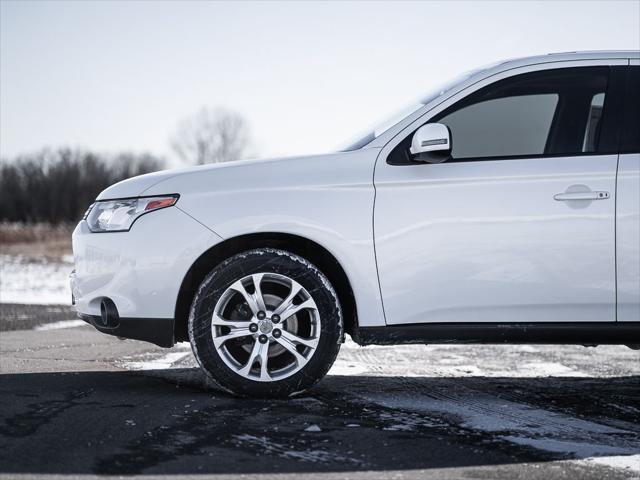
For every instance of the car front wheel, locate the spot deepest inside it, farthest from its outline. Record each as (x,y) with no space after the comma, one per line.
(265,322)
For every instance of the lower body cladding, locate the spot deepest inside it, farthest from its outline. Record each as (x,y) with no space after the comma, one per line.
(154,330)
(127,283)
(160,331)
(551,333)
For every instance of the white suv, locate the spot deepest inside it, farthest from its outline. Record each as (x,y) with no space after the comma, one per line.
(503,208)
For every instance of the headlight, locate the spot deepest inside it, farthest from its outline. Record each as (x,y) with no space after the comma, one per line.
(119,215)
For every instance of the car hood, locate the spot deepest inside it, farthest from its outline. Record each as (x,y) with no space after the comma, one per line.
(148,184)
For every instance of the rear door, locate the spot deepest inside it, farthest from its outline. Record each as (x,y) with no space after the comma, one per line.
(628,207)
(520,225)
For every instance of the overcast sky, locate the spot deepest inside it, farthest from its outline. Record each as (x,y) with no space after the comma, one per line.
(113,76)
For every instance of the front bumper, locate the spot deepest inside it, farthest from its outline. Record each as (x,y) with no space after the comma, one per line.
(140,271)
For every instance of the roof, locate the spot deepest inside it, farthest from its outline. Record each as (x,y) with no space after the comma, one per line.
(568,56)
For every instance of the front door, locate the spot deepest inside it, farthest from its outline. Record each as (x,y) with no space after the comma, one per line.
(519,226)
(628,206)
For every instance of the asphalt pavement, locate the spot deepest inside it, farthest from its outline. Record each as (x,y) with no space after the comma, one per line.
(76,403)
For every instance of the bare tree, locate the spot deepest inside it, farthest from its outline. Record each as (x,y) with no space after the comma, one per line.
(212,135)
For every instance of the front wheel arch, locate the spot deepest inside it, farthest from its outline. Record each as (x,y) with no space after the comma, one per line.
(301,246)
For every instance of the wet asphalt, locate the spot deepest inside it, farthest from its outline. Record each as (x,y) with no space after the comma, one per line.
(76,403)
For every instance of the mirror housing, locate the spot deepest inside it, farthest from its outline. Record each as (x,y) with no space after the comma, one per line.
(431,143)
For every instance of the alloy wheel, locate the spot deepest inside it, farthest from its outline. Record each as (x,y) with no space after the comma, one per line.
(265,327)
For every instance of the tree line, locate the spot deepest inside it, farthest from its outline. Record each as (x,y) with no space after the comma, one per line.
(56,186)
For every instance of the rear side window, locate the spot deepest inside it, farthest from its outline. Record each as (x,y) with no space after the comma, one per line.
(630,138)
(550,112)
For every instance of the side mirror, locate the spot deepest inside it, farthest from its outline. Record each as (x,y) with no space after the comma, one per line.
(431,143)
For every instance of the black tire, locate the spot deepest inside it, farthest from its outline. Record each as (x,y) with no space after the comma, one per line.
(274,261)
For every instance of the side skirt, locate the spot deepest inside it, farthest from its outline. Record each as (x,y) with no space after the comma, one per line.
(578,333)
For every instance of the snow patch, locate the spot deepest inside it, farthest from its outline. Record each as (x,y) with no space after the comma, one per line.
(630,463)
(31,281)
(481,411)
(548,369)
(343,367)
(154,362)
(61,325)
(504,361)
(514,422)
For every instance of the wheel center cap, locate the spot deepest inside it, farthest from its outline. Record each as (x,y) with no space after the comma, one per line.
(265,326)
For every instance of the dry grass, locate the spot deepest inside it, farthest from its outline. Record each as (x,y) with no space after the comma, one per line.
(35,240)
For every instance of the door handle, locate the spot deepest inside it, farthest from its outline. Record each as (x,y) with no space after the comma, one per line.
(563,197)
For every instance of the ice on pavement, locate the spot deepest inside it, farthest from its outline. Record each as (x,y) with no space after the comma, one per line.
(268,445)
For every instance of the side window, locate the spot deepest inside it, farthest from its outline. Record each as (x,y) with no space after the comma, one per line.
(631,131)
(498,128)
(550,112)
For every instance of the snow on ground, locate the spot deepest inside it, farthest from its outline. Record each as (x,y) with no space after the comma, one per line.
(30,280)
(155,361)
(508,416)
(513,420)
(630,463)
(490,361)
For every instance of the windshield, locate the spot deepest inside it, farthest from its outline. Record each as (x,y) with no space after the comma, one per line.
(382,127)
(393,120)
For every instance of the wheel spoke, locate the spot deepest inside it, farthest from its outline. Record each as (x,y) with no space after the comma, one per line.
(250,299)
(289,345)
(258,298)
(293,309)
(237,333)
(264,360)
(218,321)
(239,287)
(286,303)
(252,359)
(295,339)
(259,353)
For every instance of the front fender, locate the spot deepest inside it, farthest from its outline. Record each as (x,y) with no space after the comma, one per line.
(327,199)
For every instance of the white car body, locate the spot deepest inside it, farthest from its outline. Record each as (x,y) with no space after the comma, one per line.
(450,243)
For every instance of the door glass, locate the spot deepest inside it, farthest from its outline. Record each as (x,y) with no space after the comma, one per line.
(503,126)
(547,112)
(541,113)
(631,132)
